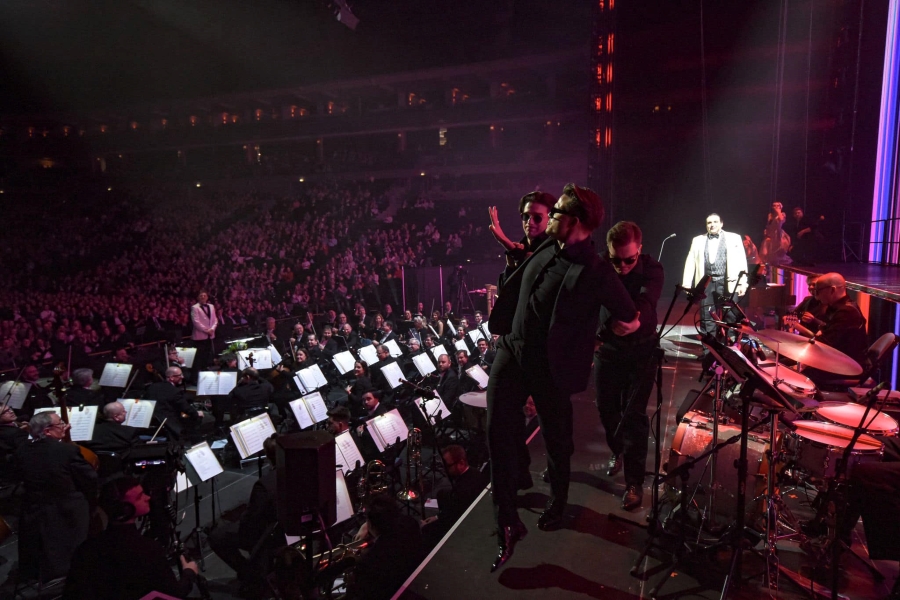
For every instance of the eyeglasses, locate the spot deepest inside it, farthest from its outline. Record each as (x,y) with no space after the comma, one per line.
(532,217)
(557,211)
(618,260)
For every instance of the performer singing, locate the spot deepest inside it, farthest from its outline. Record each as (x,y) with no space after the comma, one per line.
(719,254)
(547,314)
(204,320)
(623,365)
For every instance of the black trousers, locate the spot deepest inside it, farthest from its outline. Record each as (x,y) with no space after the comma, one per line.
(508,389)
(623,380)
(714,291)
(225,541)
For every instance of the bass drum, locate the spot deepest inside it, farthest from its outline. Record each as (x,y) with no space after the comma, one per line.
(693,437)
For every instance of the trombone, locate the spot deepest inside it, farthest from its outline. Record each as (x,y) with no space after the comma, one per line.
(413,490)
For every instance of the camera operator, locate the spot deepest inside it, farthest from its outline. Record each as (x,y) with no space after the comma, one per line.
(121,564)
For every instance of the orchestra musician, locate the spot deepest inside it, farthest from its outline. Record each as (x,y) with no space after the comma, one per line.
(120,563)
(251,393)
(59,486)
(12,435)
(81,394)
(172,405)
(110,433)
(547,313)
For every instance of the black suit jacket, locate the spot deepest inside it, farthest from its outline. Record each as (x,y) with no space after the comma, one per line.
(448,388)
(170,403)
(588,284)
(113,437)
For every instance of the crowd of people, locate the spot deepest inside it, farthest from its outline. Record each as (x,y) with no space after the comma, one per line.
(126,272)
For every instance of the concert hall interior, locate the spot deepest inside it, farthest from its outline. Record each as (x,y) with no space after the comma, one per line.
(271,328)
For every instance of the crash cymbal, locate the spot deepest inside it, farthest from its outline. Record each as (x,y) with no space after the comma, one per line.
(776,335)
(813,353)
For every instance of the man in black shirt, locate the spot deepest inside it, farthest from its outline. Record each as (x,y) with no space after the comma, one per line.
(110,435)
(623,364)
(120,563)
(547,314)
(251,393)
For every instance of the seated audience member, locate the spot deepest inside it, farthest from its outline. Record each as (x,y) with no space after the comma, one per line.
(467,485)
(59,486)
(228,539)
(395,550)
(120,563)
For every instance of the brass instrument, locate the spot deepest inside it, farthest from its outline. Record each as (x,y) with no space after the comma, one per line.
(413,490)
(371,481)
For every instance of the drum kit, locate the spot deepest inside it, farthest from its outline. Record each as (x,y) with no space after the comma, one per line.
(785,436)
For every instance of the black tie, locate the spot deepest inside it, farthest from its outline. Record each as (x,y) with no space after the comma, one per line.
(713,236)
(205,308)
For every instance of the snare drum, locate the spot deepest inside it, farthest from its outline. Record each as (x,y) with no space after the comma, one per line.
(816,447)
(694,436)
(790,381)
(850,414)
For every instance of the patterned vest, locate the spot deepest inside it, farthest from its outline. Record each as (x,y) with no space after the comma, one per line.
(716,268)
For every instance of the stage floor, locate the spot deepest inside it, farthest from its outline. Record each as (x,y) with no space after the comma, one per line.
(592,554)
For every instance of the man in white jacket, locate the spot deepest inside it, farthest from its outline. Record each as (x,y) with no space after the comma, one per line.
(719,254)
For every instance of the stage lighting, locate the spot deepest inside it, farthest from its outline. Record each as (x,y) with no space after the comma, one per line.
(344,15)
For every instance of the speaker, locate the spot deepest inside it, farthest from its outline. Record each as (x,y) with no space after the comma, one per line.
(306,481)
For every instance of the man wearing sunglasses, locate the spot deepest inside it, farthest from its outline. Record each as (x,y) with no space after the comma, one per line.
(547,313)
(533,210)
(623,365)
(719,254)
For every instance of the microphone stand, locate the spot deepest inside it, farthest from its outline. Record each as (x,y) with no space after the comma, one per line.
(663,245)
(428,394)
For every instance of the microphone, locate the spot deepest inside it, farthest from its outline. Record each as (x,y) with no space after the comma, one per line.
(663,245)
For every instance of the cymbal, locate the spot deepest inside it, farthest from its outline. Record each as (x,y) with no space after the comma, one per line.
(818,355)
(776,335)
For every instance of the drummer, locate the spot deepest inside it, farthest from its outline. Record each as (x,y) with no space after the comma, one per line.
(844,325)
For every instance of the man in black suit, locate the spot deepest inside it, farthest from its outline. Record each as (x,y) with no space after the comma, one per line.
(171,403)
(120,563)
(59,485)
(547,314)
(110,435)
(251,393)
(387,332)
(467,485)
(624,368)
(81,393)
(228,539)
(448,383)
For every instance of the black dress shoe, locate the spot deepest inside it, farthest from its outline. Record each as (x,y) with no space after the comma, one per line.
(551,518)
(633,497)
(507,539)
(614,465)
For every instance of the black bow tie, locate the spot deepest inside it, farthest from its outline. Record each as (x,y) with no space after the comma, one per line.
(713,236)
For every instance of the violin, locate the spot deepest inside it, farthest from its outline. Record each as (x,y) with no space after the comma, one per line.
(154,372)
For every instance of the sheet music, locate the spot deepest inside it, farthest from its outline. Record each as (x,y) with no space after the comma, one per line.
(342,498)
(393,348)
(138,413)
(451,327)
(316,405)
(306,381)
(301,413)
(392,374)
(274,354)
(188,355)
(262,359)
(476,335)
(19,393)
(252,433)
(368,354)
(81,419)
(478,374)
(347,452)
(203,461)
(423,364)
(320,377)
(216,383)
(388,427)
(344,362)
(438,350)
(461,345)
(115,375)
(432,407)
